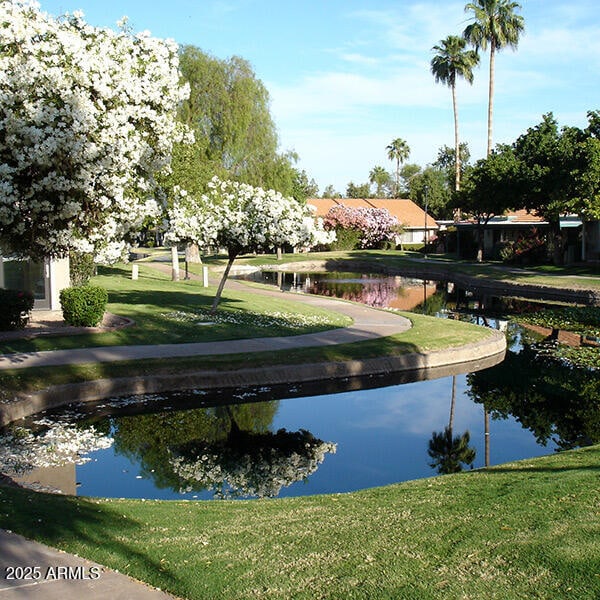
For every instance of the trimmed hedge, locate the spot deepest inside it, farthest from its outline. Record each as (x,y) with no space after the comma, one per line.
(16,306)
(84,305)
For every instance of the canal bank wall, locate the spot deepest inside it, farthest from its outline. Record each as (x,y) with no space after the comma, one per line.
(412,367)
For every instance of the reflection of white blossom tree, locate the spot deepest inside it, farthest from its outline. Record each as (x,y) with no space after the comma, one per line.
(22,451)
(249,464)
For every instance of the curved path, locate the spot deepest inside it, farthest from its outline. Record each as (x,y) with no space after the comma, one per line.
(368,323)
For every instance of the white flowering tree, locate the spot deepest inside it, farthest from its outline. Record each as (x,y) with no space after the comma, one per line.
(242,218)
(87,119)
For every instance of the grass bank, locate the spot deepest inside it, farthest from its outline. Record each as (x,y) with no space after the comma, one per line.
(529,529)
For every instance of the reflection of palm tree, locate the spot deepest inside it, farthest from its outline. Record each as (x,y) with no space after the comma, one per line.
(449,452)
(452,403)
(486,427)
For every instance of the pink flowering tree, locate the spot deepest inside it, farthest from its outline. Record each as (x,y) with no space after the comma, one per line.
(373,225)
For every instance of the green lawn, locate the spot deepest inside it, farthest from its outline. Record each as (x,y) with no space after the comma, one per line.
(168,312)
(525,530)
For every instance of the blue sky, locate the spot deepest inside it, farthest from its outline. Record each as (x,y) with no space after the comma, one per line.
(346,77)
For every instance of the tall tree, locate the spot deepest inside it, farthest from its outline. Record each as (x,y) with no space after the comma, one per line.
(452,61)
(381,178)
(235,135)
(490,189)
(495,23)
(399,151)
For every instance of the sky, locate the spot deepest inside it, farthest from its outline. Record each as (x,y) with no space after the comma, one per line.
(346,77)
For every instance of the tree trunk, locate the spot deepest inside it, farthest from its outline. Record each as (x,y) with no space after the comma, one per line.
(491,96)
(192,254)
(456,141)
(452,404)
(479,243)
(232,257)
(486,426)
(583,241)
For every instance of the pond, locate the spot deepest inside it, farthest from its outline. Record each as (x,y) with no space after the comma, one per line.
(319,438)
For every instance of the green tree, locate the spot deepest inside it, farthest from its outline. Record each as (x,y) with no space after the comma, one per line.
(399,151)
(453,60)
(330,192)
(495,23)
(559,173)
(431,185)
(381,178)
(407,173)
(490,189)
(235,136)
(449,452)
(358,191)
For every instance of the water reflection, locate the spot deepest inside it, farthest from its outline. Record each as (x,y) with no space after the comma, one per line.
(270,440)
(402,293)
(558,403)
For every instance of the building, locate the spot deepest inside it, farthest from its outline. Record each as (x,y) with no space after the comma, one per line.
(513,225)
(415,223)
(44,280)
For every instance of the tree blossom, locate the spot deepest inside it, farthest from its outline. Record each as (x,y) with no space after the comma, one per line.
(376,225)
(87,119)
(243,218)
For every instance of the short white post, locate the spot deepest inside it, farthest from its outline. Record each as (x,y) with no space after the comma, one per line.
(175,264)
(205,276)
(135,271)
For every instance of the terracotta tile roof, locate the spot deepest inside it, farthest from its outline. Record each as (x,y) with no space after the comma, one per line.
(522,216)
(406,211)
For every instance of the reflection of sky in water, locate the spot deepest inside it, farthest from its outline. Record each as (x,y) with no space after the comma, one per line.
(381,435)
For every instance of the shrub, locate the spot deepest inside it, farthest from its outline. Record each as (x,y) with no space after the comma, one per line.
(16,306)
(81,268)
(83,305)
(347,238)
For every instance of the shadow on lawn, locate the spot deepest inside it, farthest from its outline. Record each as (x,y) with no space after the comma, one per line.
(64,521)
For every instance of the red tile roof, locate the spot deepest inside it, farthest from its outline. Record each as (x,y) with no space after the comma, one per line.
(406,211)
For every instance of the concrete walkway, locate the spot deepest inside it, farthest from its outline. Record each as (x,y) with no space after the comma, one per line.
(56,575)
(368,323)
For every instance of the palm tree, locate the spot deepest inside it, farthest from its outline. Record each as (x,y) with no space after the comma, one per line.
(450,62)
(448,452)
(380,177)
(399,151)
(495,23)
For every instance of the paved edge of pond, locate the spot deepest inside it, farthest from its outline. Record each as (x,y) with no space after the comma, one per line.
(417,366)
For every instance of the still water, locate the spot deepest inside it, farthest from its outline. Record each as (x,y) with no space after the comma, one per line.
(291,441)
